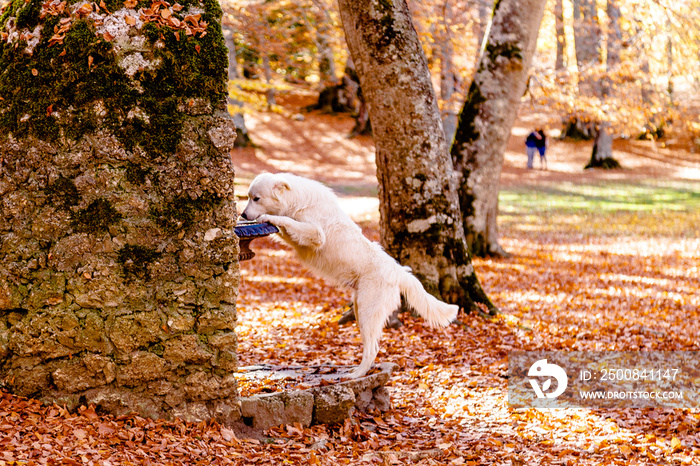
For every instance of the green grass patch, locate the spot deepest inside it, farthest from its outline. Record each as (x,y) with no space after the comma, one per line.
(648,209)
(571,197)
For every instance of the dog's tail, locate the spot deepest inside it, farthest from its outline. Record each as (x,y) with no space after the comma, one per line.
(437,313)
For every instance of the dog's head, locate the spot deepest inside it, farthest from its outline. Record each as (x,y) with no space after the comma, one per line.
(266,196)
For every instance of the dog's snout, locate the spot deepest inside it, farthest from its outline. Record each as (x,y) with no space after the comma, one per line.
(244,215)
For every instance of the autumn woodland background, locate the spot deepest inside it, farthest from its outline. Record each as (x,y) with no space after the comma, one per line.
(598,259)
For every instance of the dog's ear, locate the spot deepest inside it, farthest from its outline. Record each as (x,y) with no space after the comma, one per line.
(280,186)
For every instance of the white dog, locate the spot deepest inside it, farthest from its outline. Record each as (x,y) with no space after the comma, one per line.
(310,219)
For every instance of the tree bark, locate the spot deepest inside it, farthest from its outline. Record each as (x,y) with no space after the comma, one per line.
(448,78)
(326,60)
(614,42)
(613,48)
(488,115)
(602,154)
(669,60)
(267,70)
(420,219)
(654,126)
(560,64)
(352,81)
(587,39)
(484,12)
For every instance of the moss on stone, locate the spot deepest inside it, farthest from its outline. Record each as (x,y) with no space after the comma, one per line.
(160,135)
(63,193)
(135,260)
(158,349)
(48,93)
(183,212)
(96,217)
(41,90)
(27,15)
(136,174)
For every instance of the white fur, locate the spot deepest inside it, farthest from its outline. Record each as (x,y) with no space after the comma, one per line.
(310,219)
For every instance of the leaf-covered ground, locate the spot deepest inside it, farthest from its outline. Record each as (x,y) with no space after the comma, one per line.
(599,262)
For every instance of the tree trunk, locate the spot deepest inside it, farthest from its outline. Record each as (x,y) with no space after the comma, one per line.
(267,70)
(326,61)
(587,39)
(560,64)
(242,136)
(654,126)
(602,154)
(669,60)
(420,218)
(341,97)
(613,48)
(352,81)
(448,79)
(488,115)
(484,12)
(118,262)
(614,42)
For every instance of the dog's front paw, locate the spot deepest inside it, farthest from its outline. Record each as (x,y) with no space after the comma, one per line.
(265,218)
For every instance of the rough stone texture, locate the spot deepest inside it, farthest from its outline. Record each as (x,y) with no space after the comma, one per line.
(269,410)
(333,404)
(114,163)
(322,404)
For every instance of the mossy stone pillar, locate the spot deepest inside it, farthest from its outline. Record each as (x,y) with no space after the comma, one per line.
(118,261)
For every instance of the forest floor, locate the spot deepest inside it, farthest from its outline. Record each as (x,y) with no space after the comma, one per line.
(600,260)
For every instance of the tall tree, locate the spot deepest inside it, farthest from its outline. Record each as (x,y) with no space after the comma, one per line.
(614,39)
(560,64)
(351,81)
(488,115)
(669,59)
(588,40)
(448,77)
(420,219)
(601,155)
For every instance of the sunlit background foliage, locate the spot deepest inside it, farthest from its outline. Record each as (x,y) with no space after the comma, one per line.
(647,60)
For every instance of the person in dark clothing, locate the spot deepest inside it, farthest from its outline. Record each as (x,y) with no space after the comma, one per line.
(536,142)
(541,145)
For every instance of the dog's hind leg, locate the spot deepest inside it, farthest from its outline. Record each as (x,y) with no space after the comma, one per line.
(373,305)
